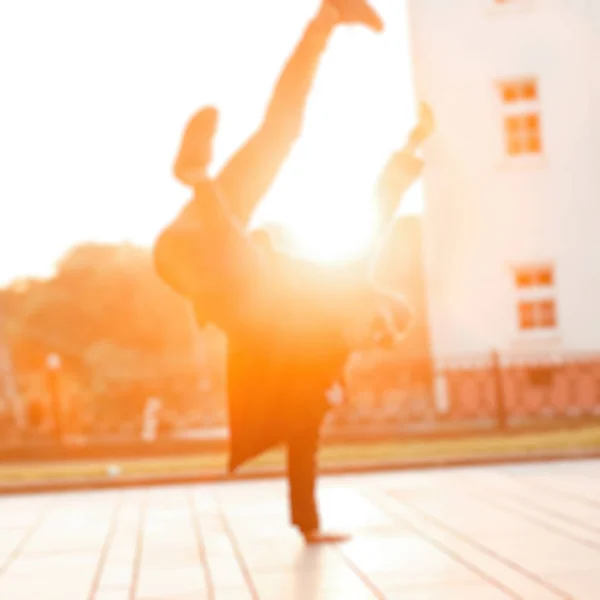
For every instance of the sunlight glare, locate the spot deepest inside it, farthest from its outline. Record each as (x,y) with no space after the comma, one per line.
(331,239)
(328,217)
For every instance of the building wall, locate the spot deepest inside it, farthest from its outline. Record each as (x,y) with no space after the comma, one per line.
(485,211)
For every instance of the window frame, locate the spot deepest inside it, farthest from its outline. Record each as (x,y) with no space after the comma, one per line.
(519,110)
(535,285)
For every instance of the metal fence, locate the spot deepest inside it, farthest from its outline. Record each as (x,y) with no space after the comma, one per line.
(386,398)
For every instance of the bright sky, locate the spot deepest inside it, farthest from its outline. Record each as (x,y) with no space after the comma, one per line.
(94,96)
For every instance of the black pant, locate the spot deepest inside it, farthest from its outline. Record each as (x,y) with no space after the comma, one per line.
(302,446)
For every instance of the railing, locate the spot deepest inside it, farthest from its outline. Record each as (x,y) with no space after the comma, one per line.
(491,392)
(387,398)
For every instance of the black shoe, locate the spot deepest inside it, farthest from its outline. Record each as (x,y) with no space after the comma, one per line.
(320,537)
(358,12)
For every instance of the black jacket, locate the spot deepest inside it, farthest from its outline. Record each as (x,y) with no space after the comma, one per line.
(281,361)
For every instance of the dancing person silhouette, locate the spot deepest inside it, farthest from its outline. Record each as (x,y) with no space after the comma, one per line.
(290,324)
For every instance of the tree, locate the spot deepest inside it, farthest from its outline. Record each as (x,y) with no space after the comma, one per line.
(114,323)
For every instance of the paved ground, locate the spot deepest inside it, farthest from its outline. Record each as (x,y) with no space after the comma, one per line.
(466,534)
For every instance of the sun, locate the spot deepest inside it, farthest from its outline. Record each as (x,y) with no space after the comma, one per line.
(331,238)
(323,207)
(325,219)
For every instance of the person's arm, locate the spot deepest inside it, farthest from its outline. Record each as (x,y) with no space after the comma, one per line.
(401,171)
(382,317)
(399,174)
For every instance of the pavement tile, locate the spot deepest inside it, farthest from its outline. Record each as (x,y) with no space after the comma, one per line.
(464,534)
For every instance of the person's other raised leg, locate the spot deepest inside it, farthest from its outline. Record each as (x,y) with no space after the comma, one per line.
(249,174)
(204,254)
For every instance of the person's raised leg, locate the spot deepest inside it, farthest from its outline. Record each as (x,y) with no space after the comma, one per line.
(219,221)
(249,174)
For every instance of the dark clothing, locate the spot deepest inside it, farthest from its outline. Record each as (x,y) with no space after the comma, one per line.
(302,446)
(277,384)
(207,256)
(281,363)
(283,318)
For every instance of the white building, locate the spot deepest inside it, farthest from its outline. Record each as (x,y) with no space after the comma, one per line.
(512,217)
